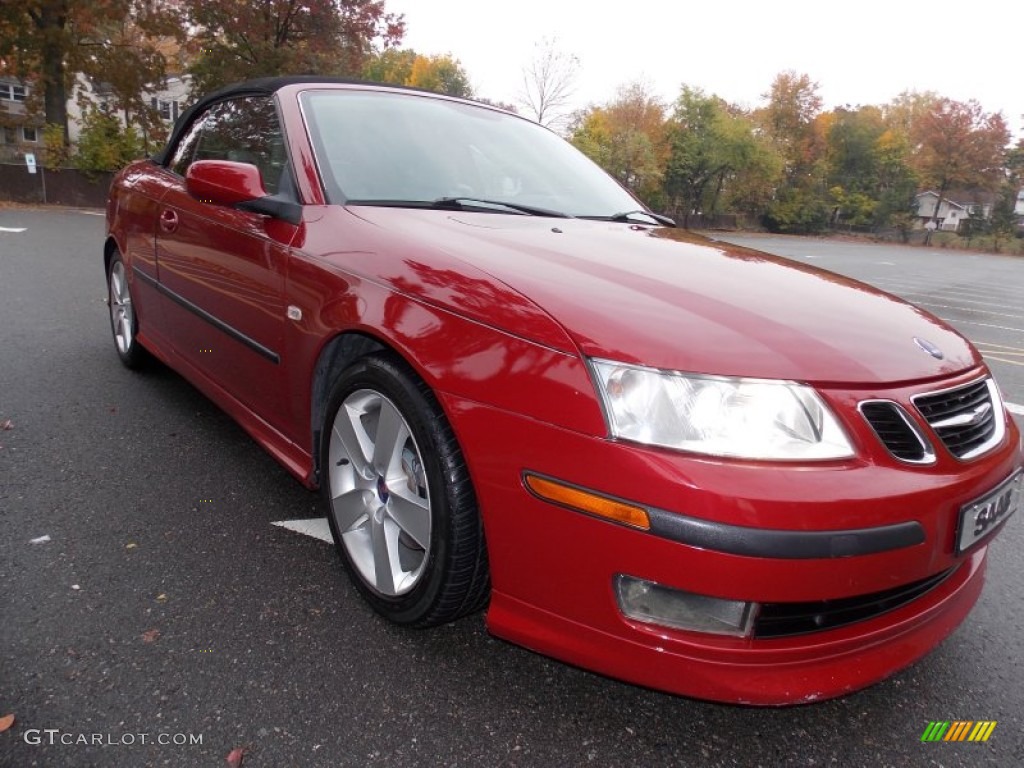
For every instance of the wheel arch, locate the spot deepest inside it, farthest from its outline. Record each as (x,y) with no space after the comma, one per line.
(337,354)
(110,247)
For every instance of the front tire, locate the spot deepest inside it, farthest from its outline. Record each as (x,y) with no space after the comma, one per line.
(123,324)
(400,502)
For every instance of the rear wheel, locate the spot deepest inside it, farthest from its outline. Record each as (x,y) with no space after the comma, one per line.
(399,498)
(122,315)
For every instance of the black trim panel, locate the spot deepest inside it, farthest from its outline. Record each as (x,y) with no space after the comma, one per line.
(786,545)
(767,542)
(216,322)
(789,619)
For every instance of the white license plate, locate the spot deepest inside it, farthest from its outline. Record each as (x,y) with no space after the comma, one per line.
(982,516)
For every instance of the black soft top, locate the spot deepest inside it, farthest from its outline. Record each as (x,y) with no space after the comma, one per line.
(264,86)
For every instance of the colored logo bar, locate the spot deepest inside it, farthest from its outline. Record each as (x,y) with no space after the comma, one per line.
(958,730)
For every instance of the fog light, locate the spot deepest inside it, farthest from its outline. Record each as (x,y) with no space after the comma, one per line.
(653,603)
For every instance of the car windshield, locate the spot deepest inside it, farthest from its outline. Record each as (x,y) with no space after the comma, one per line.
(380,148)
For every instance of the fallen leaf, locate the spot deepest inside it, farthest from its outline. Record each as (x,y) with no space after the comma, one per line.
(130,545)
(6,722)
(161,598)
(7,424)
(40,539)
(150,635)
(235,756)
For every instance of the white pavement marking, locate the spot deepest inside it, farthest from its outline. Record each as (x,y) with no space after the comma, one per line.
(1014,408)
(93,213)
(984,304)
(969,309)
(983,325)
(316,527)
(12,229)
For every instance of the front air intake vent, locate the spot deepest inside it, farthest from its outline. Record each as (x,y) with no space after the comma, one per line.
(787,619)
(897,431)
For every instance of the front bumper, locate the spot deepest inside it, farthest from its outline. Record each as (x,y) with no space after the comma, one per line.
(553,568)
(766,672)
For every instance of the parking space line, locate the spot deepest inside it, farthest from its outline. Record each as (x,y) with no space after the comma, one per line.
(917,287)
(1003,360)
(984,304)
(1000,346)
(13,230)
(968,309)
(1004,352)
(983,325)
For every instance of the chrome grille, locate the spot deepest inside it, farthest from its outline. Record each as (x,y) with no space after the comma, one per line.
(897,431)
(969,419)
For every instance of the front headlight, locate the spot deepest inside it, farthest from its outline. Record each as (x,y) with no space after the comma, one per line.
(740,418)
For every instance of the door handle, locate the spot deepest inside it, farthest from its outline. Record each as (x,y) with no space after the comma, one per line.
(168,220)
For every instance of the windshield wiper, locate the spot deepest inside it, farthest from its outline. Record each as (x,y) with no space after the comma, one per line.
(627,216)
(466,203)
(463,204)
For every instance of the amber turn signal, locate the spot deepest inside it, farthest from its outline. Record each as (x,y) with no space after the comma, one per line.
(587,501)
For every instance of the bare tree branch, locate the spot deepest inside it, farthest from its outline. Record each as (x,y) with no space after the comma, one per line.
(548,84)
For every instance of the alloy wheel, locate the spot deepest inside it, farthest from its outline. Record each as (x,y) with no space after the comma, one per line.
(122,316)
(378,493)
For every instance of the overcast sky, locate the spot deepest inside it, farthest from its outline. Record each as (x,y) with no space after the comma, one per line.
(859,53)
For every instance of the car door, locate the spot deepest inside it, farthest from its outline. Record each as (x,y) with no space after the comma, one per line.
(222,269)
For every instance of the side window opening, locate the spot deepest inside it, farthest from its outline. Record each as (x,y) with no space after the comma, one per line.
(243,130)
(246,131)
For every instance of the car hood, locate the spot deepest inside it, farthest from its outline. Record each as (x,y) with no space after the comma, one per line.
(670,299)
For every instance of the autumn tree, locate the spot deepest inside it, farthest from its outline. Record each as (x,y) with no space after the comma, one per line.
(898,180)
(403,66)
(752,184)
(1005,221)
(711,145)
(866,171)
(793,103)
(548,83)
(111,41)
(36,38)
(129,56)
(390,65)
(236,40)
(903,112)
(959,144)
(627,138)
(442,74)
(793,123)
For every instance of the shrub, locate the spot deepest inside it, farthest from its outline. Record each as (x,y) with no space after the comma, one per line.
(105,144)
(796,211)
(56,153)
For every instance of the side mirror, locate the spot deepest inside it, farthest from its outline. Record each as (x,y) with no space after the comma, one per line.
(224,182)
(239,185)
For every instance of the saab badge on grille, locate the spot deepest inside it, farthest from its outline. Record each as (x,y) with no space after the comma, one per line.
(928,347)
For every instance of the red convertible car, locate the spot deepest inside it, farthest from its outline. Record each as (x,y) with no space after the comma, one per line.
(676,462)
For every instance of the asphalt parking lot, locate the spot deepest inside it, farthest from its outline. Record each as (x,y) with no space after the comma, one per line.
(166,604)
